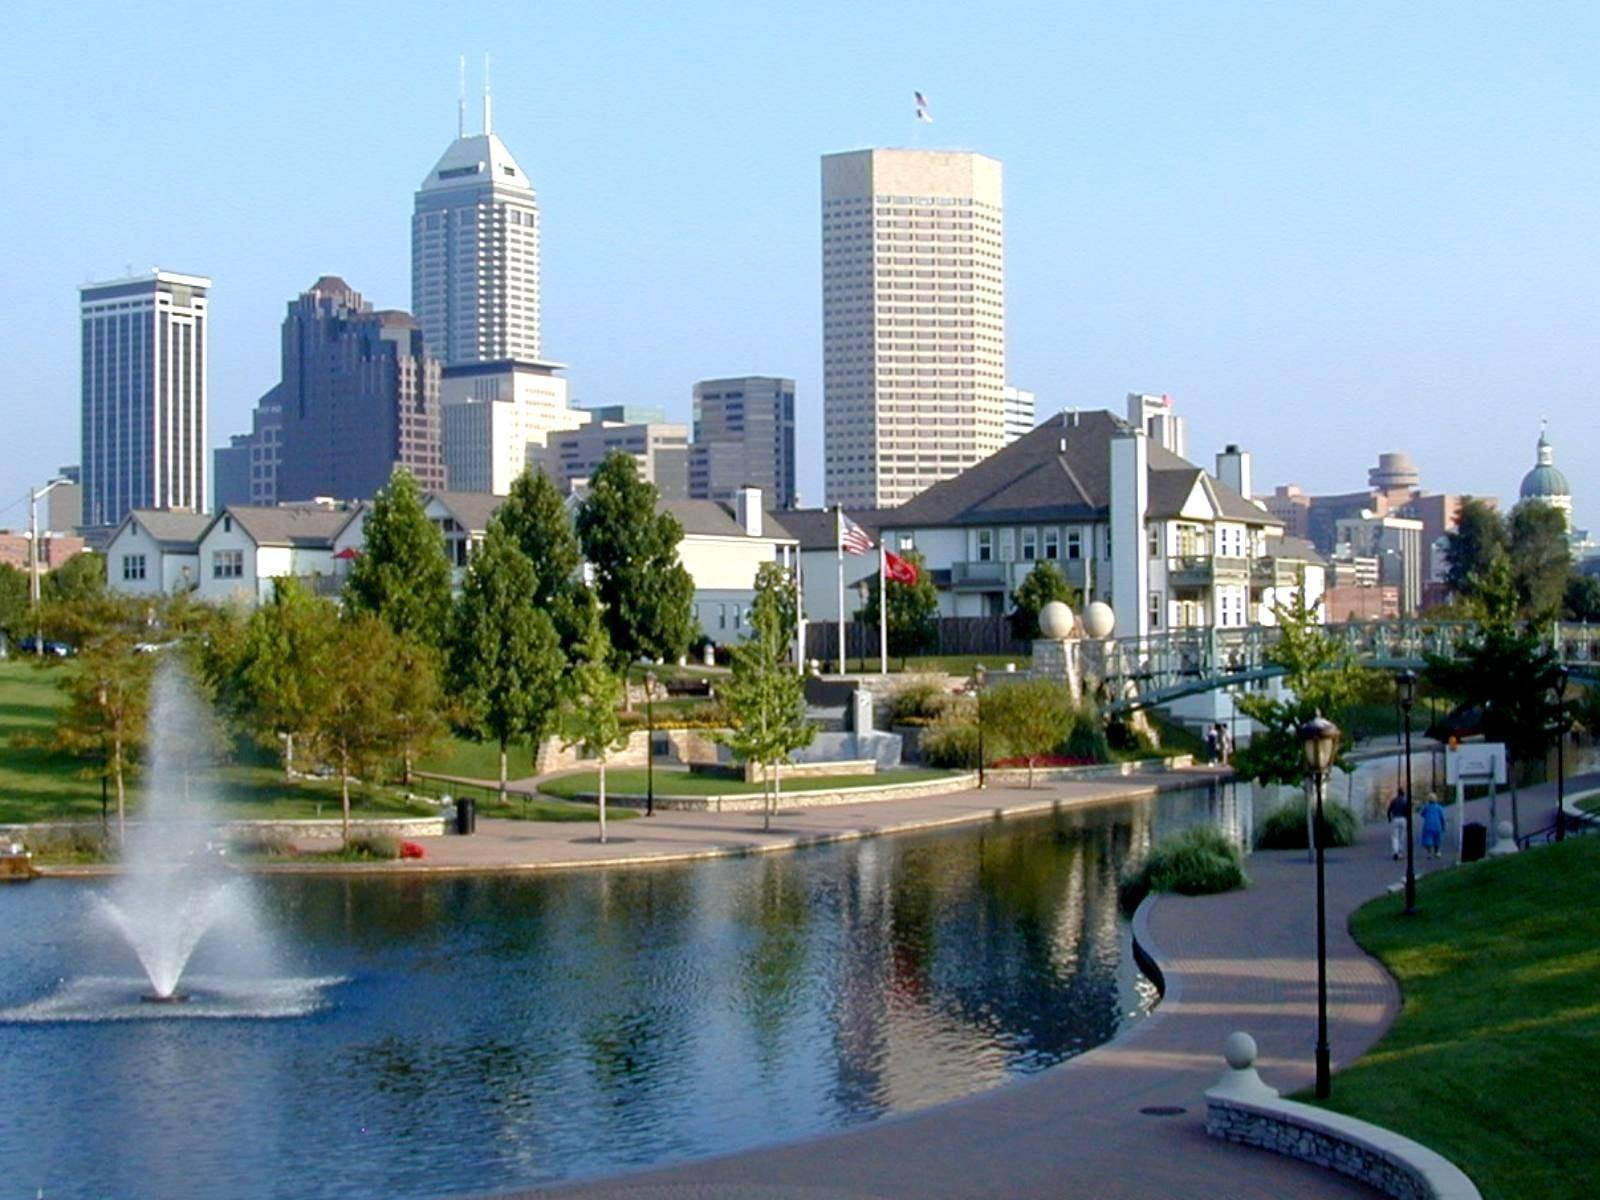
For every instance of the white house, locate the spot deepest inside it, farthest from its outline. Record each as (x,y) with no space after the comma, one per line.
(154,551)
(244,549)
(723,547)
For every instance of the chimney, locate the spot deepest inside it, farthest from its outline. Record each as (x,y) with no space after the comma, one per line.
(747,509)
(1233,469)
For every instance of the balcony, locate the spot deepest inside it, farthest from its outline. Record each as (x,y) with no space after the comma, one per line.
(1204,570)
(1275,573)
(977,576)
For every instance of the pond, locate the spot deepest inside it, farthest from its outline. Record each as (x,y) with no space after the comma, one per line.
(478,1034)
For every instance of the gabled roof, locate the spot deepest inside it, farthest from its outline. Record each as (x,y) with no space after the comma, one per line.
(1294,549)
(304,526)
(713,518)
(174,530)
(471,510)
(818,529)
(1061,471)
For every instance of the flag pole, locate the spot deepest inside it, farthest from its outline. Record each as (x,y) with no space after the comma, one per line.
(838,546)
(883,606)
(799,617)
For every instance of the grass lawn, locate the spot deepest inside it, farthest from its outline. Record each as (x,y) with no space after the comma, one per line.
(1492,1060)
(675,782)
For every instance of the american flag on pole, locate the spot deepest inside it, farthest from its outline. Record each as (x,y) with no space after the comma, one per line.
(922,108)
(852,538)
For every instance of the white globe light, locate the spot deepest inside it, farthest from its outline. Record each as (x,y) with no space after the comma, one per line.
(1099,620)
(1055,621)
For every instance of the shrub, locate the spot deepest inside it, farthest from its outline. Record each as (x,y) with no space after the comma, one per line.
(918,701)
(69,844)
(951,739)
(1087,741)
(264,843)
(1285,828)
(1197,862)
(372,846)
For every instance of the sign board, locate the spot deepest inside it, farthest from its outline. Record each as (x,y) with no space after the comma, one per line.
(1477,762)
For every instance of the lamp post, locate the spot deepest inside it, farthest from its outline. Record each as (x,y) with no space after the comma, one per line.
(650,743)
(1406,686)
(1319,737)
(34,496)
(1561,754)
(977,680)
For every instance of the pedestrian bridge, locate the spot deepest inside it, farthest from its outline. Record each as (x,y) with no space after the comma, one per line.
(1142,672)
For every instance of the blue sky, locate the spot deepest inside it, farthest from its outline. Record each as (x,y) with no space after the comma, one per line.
(1325,229)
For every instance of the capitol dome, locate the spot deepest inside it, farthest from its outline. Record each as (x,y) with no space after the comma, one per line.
(1545,481)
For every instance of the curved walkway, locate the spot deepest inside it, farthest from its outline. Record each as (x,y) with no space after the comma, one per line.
(1244,960)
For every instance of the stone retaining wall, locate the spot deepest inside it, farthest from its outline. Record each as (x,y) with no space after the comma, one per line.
(290,828)
(1116,770)
(1241,1108)
(753,801)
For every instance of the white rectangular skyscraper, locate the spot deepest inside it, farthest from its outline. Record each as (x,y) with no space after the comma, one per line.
(475,255)
(144,395)
(913,320)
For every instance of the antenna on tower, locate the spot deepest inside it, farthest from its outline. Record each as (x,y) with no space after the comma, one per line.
(488,126)
(461,97)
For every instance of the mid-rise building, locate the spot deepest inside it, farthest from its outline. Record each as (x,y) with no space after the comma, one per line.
(661,450)
(1020,407)
(625,414)
(1396,546)
(913,320)
(64,503)
(230,471)
(475,254)
(1161,423)
(144,357)
(743,437)
(495,415)
(359,398)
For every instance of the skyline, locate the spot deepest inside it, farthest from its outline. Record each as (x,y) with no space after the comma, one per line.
(1380,214)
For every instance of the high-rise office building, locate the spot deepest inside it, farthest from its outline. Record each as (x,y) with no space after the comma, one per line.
(359,398)
(246,470)
(475,254)
(913,320)
(1021,406)
(495,415)
(144,395)
(743,437)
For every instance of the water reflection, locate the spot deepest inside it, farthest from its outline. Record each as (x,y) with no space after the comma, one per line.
(506,1031)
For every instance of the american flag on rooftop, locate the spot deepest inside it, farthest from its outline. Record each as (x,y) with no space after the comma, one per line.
(852,538)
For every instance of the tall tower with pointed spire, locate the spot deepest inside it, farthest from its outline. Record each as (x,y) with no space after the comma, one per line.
(475,252)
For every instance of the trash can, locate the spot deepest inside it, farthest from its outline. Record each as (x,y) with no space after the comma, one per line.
(1474,841)
(467,815)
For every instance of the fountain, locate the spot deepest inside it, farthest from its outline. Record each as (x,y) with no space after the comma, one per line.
(177,898)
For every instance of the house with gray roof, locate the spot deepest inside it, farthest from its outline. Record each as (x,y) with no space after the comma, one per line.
(155,551)
(1126,521)
(244,548)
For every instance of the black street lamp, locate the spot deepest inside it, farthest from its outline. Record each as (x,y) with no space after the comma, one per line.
(1561,754)
(1406,685)
(650,743)
(1320,739)
(977,680)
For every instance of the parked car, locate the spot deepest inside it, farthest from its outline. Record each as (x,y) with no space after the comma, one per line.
(30,645)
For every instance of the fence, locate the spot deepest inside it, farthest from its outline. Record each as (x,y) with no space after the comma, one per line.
(952,635)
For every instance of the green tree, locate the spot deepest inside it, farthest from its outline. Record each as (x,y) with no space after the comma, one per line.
(1541,558)
(590,696)
(537,518)
(774,588)
(284,666)
(353,727)
(1030,718)
(13,602)
(417,703)
(1582,597)
(108,704)
(402,574)
(1042,585)
(81,577)
(764,697)
(646,596)
(913,611)
(1477,543)
(505,661)
(1321,675)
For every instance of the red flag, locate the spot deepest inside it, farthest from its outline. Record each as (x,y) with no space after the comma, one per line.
(897,569)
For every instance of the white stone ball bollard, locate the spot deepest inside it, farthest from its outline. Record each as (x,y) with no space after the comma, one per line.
(1055,621)
(1239,1050)
(1099,620)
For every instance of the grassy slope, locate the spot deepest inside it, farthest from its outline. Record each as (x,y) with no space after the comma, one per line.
(673,782)
(1491,1061)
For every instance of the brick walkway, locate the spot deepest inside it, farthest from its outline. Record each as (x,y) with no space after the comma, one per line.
(1245,960)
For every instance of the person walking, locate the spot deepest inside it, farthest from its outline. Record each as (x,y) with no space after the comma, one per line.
(1211,744)
(1399,807)
(1432,825)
